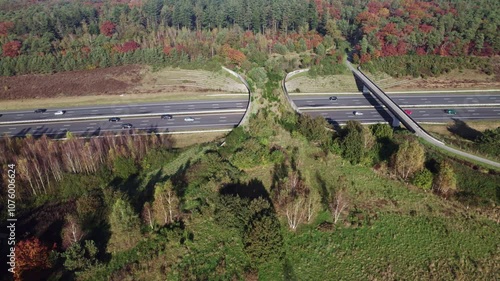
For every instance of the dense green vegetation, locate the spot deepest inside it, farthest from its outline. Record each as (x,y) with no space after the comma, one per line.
(279,200)
(70,35)
(287,197)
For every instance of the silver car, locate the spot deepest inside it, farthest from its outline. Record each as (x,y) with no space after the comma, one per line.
(189,119)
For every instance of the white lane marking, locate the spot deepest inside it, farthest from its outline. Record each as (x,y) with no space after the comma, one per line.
(238,103)
(425,115)
(355,100)
(469,98)
(424,99)
(446,98)
(20,114)
(427,101)
(422,111)
(215,104)
(93,124)
(145,121)
(402,99)
(94,110)
(222,121)
(309,101)
(90,127)
(475,113)
(222,117)
(67,125)
(12,128)
(496,110)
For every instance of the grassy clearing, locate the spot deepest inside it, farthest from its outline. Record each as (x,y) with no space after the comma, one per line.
(322,84)
(161,86)
(186,140)
(454,80)
(394,231)
(462,137)
(65,102)
(201,79)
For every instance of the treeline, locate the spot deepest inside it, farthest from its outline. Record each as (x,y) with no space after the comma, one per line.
(425,66)
(45,166)
(60,35)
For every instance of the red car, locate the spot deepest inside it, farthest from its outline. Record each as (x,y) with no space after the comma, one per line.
(409,112)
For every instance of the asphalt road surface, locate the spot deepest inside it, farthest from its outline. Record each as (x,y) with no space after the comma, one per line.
(471,99)
(373,115)
(142,124)
(119,110)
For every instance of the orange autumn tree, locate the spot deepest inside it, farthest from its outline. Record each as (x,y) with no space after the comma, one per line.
(233,55)
(31,255)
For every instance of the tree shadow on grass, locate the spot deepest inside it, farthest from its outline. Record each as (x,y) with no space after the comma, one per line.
(323,190)
(461,129)
(251,190)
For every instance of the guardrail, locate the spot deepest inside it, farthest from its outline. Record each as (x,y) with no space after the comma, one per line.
(394,108)
(121,116)
(283,86)
(245,116)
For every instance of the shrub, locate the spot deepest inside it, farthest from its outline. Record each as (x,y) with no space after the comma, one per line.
(423,179)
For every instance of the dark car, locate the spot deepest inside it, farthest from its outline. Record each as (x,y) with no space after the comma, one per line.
(333,98)
(40,110)
(114,119)
(166,116)
(126,126)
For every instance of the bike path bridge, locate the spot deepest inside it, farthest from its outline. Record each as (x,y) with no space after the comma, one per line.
(369,86)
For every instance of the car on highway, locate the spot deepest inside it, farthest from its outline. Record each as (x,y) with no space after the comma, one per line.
(189,119)
(166,116)
(409,112)
(126,126)
(450,111)
(40,110)
(60,112)
(357,113)
(332,98)
(114,119)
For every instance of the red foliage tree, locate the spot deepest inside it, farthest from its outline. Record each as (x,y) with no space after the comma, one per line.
(167,50)
(11,49)
(31,255)
(108,28)
(5,27)
(127,47)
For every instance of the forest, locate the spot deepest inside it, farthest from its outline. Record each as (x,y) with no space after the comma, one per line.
(54,36)
(281,198)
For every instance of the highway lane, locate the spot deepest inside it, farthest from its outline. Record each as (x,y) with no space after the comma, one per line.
(341,116)
(119,110)
(471,99)
(143,124)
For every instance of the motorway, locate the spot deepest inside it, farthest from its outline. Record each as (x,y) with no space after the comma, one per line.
(423,107)
(215,114)
(408,121)
(125,110)
(146,124)
(353,100)
(430,115)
